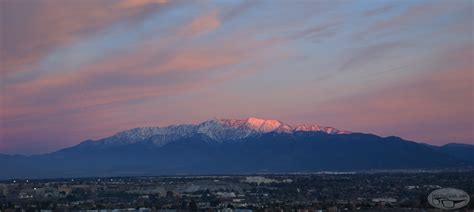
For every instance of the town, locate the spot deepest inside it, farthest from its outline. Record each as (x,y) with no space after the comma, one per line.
(324,191)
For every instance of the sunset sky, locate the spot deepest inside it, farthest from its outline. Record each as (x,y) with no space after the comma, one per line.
(76,70)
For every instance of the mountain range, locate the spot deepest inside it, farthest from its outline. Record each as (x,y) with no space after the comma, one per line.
(232,146)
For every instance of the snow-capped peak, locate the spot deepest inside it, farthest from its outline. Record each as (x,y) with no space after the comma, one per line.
(272,125)
(217,129)
(263,125)
(256,124)
(307,127)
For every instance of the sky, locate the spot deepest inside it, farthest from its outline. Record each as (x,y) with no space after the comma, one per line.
(75,70)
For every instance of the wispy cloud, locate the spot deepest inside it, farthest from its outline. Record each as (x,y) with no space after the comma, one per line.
(369,54)
(140,3)
(317,32)
(379,10)
(31,29)
(201,24)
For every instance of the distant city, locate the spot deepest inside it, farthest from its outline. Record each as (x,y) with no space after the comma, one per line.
(324,191)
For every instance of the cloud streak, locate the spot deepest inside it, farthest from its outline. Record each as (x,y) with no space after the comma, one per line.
(31,29)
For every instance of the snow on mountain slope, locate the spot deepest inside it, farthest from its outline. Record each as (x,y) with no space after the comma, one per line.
(217,129)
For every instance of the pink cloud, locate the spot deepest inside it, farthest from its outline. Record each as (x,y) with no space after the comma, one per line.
(140,3)
(89,85)
(202,24)
(30,29)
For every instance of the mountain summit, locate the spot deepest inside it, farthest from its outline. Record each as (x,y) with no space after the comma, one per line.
(259,125)
(272,125)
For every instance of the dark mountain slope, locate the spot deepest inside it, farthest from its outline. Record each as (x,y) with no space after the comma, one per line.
(199,154)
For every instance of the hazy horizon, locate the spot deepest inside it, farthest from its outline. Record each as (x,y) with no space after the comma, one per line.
(78,70)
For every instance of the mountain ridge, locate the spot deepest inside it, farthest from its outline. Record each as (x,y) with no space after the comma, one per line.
(218,129)
(228,146)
